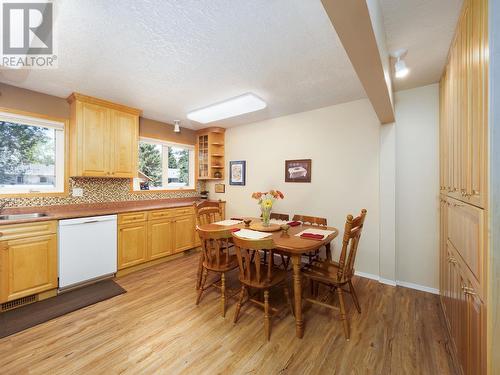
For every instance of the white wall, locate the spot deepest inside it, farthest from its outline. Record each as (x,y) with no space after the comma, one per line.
(387,272)
(417,185)
(343,143)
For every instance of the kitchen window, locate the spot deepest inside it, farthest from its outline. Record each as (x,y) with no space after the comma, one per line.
(31,154)
(165,166)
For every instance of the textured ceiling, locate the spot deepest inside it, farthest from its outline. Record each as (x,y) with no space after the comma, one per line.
(171,57)
(425,28)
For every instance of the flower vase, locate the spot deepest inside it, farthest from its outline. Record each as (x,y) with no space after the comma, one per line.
(266,216)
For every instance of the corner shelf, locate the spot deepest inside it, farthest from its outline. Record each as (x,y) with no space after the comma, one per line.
(210,153)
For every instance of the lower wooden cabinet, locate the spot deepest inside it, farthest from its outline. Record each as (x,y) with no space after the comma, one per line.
(465,313)
(160,233)
(132,244)
(184,234)
(150,235)
(28,261)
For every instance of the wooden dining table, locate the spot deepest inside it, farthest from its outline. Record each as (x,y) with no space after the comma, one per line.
(293,246)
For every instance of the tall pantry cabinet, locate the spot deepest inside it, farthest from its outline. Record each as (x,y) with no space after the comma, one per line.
(463,191)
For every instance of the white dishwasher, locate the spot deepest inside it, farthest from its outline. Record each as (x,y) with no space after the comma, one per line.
(87,250)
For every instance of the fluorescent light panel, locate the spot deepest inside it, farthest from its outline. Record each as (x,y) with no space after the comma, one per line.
(236,106)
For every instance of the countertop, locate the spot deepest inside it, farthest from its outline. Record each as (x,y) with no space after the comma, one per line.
(71,211)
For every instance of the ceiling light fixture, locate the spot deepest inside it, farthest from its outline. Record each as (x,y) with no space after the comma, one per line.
(177,128)
(400,68)
(236,106)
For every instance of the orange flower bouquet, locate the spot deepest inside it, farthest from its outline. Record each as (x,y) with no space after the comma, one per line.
(266,201)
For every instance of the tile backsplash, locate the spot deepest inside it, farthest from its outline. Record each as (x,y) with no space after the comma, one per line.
(99,190)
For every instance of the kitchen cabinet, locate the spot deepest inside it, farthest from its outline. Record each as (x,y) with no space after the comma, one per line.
(465,314)
(132,244)
(161,233)
(210,151)
(151,235)
(103,138)
(28,259)
(184,234)
(464,109)
(464,207)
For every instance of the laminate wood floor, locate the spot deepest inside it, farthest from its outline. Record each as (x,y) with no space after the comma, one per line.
(156,328)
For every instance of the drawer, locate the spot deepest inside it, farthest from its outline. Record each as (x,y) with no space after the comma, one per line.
(16,231)
(171,212)
(133,217)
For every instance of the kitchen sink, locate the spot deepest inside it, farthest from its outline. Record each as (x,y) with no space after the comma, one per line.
(22,216)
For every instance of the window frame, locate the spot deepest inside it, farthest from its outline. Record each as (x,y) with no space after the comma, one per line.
(165,185)
(62,152)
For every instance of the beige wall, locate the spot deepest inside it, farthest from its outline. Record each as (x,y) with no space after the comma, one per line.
(343,143)
(417,186)
(31,101)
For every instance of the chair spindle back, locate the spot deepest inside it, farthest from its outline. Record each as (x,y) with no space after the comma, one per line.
(212,244)
(207,212)
(311,220)
(252,270)
(352,233)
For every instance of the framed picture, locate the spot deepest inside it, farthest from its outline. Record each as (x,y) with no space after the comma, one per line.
(237,170)
(220,188)
(298,170)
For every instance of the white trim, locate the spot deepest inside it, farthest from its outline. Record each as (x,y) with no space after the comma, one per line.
(32,121)
(418,287)
(59,151)
(367,275)
(388,282)
(164,149)
(394,283)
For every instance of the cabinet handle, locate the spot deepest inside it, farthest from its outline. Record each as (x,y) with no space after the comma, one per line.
(1,234)
(468,291)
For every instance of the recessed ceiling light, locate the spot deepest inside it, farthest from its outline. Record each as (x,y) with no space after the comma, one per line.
(236,106)
(400,68)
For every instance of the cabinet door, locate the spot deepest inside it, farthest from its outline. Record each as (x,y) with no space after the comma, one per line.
(476,191)
(161,238)
(27,266)
(132,245)
(466,233)
(477,334)
(184,235)
(94,140)
(125,130)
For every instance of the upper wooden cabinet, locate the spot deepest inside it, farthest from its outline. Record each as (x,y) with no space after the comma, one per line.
(103,138)
(210,150)
(464,109)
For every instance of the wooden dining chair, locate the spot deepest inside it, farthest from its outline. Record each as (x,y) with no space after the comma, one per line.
(216,260)
(314,221)
(205,213)
(254,274)
(277,216)
(337,275)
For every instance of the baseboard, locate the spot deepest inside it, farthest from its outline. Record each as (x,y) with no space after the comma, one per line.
(404,284)
(418,287)
(388,282)
(367,275)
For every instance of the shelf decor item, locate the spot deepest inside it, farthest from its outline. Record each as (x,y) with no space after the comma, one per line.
(220,188)
(266,201)
(237,172)
(298,170)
